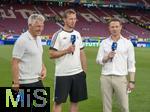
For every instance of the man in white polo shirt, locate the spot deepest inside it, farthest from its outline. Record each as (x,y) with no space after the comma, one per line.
(27,65)
(116,55)
(70,78)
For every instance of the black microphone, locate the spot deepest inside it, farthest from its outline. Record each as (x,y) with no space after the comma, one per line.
(113,47)
(73,40)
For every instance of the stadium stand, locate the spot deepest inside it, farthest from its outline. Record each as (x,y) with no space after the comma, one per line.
(91,21)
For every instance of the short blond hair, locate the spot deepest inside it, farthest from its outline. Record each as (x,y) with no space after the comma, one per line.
(68,11)
(35,17)
(114,20)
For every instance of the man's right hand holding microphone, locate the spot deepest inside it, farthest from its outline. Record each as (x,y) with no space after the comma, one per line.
(111,54)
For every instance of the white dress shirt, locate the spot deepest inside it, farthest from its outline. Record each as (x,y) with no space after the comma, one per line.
(123,61)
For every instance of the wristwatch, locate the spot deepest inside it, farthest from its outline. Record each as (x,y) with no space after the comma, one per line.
(133,82)
(14,82)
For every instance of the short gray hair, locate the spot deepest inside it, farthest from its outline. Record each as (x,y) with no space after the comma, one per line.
(35,17)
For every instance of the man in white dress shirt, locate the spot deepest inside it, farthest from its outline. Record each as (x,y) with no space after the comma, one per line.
(116,65)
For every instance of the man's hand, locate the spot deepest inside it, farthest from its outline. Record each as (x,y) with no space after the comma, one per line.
(108,57)
(43,72)
(131,86)
(111,55)
(15,87)
(70,49)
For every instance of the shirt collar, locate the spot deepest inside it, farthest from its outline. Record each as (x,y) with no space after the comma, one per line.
(121,37)
(67,31)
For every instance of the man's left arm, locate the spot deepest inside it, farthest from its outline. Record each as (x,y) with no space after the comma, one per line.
(131,67)
(82,54)
(83,60)
(131,84)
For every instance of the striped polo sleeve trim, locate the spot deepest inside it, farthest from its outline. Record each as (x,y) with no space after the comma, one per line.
(55,38)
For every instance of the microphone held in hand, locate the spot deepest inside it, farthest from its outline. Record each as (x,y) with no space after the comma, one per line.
(73,40)
(113,47)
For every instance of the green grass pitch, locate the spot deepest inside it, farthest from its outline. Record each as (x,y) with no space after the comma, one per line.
(139,99)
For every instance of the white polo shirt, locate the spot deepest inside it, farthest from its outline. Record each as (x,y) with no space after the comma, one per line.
(29,51)
(123,61)
(68,64)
